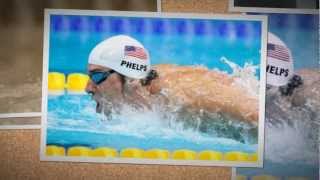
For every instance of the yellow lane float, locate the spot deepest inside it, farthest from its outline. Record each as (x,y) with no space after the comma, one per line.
(184,154)
(132,153)
(76,83)
(253,157)
(181,154)
(236,156)
(56,83)
(103,152)
(210,155)
(79,151)
(53,150)
(156,154)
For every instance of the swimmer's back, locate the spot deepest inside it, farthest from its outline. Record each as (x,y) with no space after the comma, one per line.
(201,88)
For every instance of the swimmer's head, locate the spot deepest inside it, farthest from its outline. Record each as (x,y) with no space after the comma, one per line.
(123,54)
(279,62)
(105,85)
(114,63)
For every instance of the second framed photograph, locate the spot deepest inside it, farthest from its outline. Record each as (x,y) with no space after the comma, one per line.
(275,6)
(150,88)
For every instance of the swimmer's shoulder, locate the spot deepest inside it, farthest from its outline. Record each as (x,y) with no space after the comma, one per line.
(171,72)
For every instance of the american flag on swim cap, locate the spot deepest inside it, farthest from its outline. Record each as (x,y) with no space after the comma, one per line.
(135,51)
(278,52)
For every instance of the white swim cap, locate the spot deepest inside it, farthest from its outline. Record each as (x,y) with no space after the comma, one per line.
(279,62)
(123,54)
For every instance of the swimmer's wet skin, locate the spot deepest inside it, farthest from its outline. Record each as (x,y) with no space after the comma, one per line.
(197,87)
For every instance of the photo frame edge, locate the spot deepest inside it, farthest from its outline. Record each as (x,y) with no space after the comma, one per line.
(49,12)
(45,69)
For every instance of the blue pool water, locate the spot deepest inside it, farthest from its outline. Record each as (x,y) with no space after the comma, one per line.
(72,119)
(173,41)
(300,32)
(174,49)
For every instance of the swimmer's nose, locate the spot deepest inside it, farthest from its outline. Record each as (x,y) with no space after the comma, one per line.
(90,88)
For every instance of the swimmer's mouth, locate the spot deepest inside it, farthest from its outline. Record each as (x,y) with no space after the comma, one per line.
(98,108)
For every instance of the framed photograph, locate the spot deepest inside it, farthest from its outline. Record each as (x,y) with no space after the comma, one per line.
(275,6)
(21,59)
(150,88)
(292,109)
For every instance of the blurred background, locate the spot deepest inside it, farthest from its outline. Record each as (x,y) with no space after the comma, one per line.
(21,37)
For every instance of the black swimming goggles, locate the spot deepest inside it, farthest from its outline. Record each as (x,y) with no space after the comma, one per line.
(98,76)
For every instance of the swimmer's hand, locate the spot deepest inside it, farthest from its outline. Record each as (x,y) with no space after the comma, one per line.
(293,83)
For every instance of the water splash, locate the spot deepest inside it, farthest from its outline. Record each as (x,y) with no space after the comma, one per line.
(290,143)
(244,76)
(78,113)
(292,133)
(72,120)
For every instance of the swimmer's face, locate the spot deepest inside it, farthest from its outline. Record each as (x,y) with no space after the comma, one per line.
(107,89)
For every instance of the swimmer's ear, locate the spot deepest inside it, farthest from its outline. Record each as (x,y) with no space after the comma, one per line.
(293,83)
(151,76)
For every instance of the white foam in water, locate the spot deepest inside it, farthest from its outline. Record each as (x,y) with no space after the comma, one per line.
(140,123)
(152,123)
(244,76)
(144,122)
(289,144)
(292,133)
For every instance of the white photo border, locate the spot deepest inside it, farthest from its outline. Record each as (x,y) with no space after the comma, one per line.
(234,173)
(261,18)
(159,6)
(20,115)
(233,8)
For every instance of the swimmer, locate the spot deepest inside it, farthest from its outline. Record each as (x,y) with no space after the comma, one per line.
(289,96)
(120,72)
